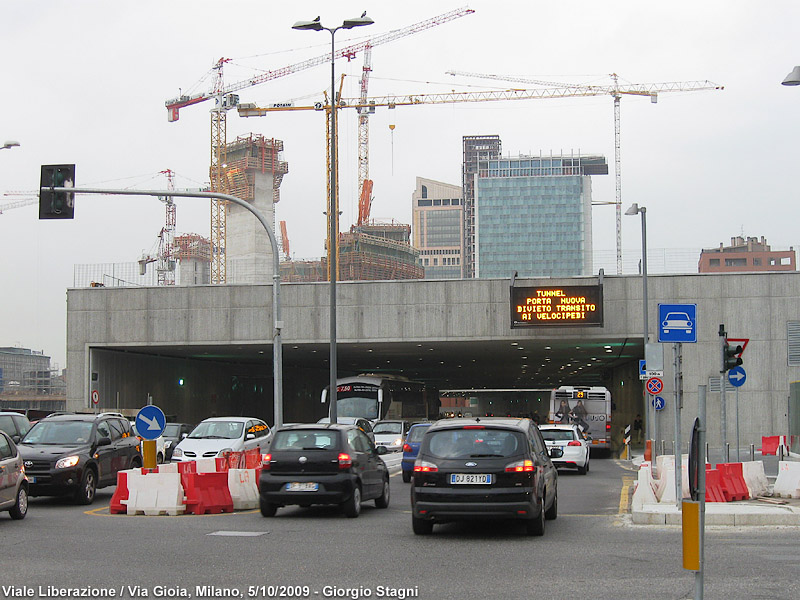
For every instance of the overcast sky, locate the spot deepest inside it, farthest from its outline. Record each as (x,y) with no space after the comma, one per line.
(85,82)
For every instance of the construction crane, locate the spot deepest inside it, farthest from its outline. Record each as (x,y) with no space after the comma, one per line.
(226,98)
(165,257)
(616,91)
(17,204)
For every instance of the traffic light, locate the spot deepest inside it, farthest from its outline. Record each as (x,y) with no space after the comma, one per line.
(730,354)
(56,205)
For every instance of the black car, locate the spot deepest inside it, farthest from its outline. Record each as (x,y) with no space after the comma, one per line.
(76,454)
(323,464)
(15,424)
(173,434)
(484,468)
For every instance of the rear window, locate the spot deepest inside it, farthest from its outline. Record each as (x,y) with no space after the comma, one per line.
(474,443)
(558,435)
(416,433)
(303,439)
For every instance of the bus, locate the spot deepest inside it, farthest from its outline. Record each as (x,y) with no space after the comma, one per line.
(595,423)
(380,396)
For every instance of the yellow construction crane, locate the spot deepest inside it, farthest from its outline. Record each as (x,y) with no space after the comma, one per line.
(616,91)
(225,98)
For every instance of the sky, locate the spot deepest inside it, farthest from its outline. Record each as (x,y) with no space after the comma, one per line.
(85,82)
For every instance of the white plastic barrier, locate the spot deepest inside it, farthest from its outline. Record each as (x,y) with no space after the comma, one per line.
(154,494)
(168,468)
(243,487)
(787,484)
(755,478)
(206,465)
(643,494)
(663,463)
(665,486)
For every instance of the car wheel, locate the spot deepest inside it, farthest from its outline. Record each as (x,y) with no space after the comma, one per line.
(352,507)
(159,459)
(582,470)
(136,462)
(551,514)
(267,509)
(20,509)
(421,526)
(536,525)
(383,500)
(86,491)
(406,476)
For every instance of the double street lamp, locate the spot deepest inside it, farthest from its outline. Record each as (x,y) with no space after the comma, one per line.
(642,210)
(333,232)
(9,144)
(792,78)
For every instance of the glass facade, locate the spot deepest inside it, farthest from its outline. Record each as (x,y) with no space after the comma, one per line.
(437,229)
(533,216)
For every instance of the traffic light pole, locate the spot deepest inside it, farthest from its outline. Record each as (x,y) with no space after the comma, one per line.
(277,353)
(723,412)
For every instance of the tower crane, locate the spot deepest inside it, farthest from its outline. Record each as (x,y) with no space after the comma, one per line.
(17,204)
(616,91)
(164,258)
(226,98)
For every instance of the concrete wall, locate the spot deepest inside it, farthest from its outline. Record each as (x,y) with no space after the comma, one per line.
(755,306)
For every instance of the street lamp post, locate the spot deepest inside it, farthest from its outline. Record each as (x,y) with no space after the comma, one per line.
(9,144)
(333,234)
(649,427)
(792,78)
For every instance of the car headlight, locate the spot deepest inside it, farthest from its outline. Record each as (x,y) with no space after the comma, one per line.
(177,453)
(223,451)
(67,462)
(397,442)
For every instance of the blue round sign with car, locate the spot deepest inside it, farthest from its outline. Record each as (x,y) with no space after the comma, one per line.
(150,422)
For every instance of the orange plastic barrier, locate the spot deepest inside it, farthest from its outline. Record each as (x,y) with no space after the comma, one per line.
(121,493)
(223,462)
(714,491)
(733,484)
(770,443)
(187,467)
(252,458)
(207,493)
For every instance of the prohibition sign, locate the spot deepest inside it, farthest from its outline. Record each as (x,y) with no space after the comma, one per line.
(654,385)
(95,396)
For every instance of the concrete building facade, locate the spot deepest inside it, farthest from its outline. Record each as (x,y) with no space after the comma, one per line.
(746,255)
(438,228)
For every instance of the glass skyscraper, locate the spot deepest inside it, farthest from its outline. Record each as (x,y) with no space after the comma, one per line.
(533,215)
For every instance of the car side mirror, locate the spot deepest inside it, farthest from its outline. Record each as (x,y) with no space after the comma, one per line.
(16,438)
(250,436)
(381,450)
(104,441)
(556,452)
(184,435)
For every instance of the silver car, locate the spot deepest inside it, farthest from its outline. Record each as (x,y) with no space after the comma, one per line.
(13,482)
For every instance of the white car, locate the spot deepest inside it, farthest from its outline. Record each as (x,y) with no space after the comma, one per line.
(570,439)
(391,434)
(218,435)
(677,320)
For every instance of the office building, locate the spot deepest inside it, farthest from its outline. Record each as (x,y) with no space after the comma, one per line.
(438,228)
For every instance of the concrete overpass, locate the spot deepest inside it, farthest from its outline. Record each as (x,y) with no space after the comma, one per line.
(208,349)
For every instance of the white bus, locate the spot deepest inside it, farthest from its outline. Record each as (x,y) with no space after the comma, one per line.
(595,421)
(381,396)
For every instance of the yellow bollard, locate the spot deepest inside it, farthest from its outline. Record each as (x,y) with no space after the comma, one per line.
(149,454)
(690,523)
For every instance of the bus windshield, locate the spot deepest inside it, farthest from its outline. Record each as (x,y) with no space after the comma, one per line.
(355,406)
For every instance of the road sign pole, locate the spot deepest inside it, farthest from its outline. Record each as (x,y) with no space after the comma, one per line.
(149,452)
(677,352)
(738,457)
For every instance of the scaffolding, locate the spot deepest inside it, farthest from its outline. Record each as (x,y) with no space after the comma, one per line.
(192,246)
(249,154)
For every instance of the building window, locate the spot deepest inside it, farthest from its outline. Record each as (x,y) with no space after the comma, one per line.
(793,340)
(424,203)
(424,191)
(714,262)
(757,262)
(735,262)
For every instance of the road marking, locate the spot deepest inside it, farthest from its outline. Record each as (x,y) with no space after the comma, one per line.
(239,533)
(624,494)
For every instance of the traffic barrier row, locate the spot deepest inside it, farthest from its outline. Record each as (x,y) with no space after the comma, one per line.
(787,484)
(207,485)
(771,443)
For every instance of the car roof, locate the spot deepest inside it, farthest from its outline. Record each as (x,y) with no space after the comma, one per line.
(231,419)
(78,417)
(558,426)
(345,420)
(500,422)
(320,426)
(421,425)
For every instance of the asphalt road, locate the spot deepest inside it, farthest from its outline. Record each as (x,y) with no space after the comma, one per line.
(591,551)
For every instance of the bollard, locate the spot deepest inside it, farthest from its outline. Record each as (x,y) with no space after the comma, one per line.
(727,452)
(780,453)
(752,452)
(663,447)
(707,454)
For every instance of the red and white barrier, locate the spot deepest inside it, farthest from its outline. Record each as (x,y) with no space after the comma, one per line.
(787,485)
(644,492)
(755,478)
(243,486)
(733,484)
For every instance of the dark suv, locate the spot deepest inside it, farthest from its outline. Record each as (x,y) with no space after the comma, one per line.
(323,464)
(484,468)
(76,454)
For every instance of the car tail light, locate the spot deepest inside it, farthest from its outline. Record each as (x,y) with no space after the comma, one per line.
(345,460)
(608,426)
(474,427)
(521,466)
(423,466)
(406,448)
(574,443)
(265,460)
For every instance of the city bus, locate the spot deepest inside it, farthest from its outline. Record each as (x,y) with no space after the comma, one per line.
(595,423)
(381,396)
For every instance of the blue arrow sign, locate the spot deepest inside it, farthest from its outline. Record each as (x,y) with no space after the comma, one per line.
(642,368)
(677,323)
(150,422)
(659,403)
(737,376)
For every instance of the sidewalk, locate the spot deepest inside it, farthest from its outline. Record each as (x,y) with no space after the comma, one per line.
(756,512)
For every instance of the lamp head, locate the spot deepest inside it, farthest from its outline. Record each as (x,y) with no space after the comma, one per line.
(792,78)
(633,210)
(10,144)
(314,25)
(358,21)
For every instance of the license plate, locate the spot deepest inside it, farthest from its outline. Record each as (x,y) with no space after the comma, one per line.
(32,479)
(302,487)
(467,478)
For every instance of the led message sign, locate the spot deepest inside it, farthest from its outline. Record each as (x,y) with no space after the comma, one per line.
(557,306)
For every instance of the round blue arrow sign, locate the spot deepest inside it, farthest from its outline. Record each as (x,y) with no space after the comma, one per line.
(737,376)
(150,422)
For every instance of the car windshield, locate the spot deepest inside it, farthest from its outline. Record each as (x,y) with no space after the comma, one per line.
(474,443)
(63,433)
(677,317)
(388,427)
(304,439)
(172,430)
(558,435)
(416,433)
(218,430)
